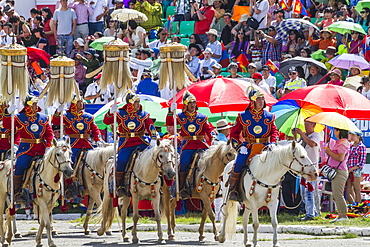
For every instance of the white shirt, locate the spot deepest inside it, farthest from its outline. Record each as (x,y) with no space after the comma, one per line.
(94,89)
(271,81)
(98,8)
(366,93)
(313,152)
(157,44)
(264,86)
(263,6)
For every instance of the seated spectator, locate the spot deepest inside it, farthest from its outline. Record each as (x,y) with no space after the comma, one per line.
(354,80)
(206,64)
(342,48)
(195,39)
(335,76)
(94,93)
(305,52)
(226,36)
(147,85)
(314,76)
(136,35)
(292,43)
(328,18)
(233,70)
(37,22)
(192,59)
(214,44)
(176,39)
(80,73)
(259,81)
(153,10)
(252,68)
(91,62)
(294,82)
(79,45)
(268,78)
(111,30)
(355,45)
(239,46)
(365,86)
(365,19)
(161,41)
(254,52)
(326,39)
(330,53)
(216,70)
(242,25)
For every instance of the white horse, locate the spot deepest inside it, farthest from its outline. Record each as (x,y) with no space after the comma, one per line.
(93,175)
(145,183)
(262,185)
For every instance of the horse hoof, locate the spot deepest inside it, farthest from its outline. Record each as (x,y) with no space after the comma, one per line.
(108,233)
(216,238)
(276,245)
(17,235)
(126,239)
(135,241)
(161,241)
(248,244)
(171,238)
(54,233)
(221,239)
(39,245)
(100,232)
(201,238)
(87,232)
(5,245)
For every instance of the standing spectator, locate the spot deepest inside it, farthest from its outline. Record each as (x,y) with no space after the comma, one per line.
(49,30)
(183,9)
(239,46)
(269,79)
(219,12)
(161,41)
(91,62)
(34,13)
(271,45)
(314,76)
(8,38)
(310,140)
(270,14)
(111,30)
(117,4)
(42,42)
(214,44)
(338,157)
(147,85)
(203,18)
(96,19)
(233,70)
(326,39)
(144,62)
(242,25)
(192,59)
(292,44)
(260,8)
(355,164)
(64,23)
(206,64)
(94,93)
(335,78)
(226,36)
(279,17)
(9,12)
(328,19)
(153,10)
(255,53)
(37,22)
(83,11)
(22,32)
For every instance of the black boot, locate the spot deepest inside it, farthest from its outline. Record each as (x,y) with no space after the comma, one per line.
(233,186)
(18,195)
(121,188)
(184,193)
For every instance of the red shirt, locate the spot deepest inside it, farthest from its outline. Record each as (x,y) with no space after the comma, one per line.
(201,27)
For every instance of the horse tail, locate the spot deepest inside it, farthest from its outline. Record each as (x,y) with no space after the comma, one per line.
(232,209)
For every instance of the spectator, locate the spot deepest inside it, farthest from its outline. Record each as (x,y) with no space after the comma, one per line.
(233,70)
(56,131)
(8,38)
(147,85)
(192,59)
(270,15)
(94,93)
(136,35)
(49,30)
(271,45)
(176,39)
(310,140)
(242,25)
(183,9)
(314,76)
(214,44)
(354,80)
(268,78)
(355,45)
(365,86)
(305,52)
(42,42)
(252,68)
(226,36)
(144,62)
(335,78)
(292,44)
(22,32)
(338,157)
(325,40)
(239,46)
(328,19)
(294,82)
(219,12)
(64,23)
(37,22)
(206,64)
(279,17)
(79,45)
(342,15)
(96,19)
(80,72)
(355,164)
(254,52)
(9,12)
(203,18)
(260,9)
(153,10)
(131,4)
(216,70)
(195,39)
(111,30)
(118,4)
(259,81)
(162,39)
(365,19)
(83,11)
(91,62)
(330,53)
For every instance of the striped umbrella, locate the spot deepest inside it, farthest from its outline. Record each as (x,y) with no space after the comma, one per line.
(293,24)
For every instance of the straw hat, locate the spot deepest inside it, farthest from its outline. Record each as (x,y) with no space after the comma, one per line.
(222,124)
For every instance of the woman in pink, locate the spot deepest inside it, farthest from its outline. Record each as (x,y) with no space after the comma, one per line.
(338,157)
(355,44)
(335,78)
(328,18)
(48,30)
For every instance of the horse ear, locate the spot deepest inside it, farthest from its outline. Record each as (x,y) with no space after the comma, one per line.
(68,140)
(158,142)
(55,143)
(228,142)
(293,144)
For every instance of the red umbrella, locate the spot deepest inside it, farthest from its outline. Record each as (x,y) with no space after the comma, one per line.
(221,95)
(35,54)
(334,98)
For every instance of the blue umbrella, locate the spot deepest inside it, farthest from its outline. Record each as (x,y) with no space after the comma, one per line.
(294,24)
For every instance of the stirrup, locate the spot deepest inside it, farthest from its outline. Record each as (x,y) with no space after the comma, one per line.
(18,197)
(121,191)
(234,196)
(184,194)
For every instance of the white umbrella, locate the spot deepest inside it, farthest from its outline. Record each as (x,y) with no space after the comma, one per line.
(125,15)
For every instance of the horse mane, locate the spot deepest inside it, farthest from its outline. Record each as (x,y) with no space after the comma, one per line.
(208,155)
(149,155)
(99,156)
(48,155)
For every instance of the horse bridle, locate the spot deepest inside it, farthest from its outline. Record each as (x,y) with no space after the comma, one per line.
(300,163)
(221,159)
(160,162)
(59,163)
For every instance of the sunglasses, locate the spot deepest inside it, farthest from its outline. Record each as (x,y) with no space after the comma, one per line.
(163,33)
(333,74)
(362,12)
(240,33)
(137,54)
(303,52)
(111,21)
(292,73)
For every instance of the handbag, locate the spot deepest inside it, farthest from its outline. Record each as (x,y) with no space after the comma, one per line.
(253,23)
(329,171)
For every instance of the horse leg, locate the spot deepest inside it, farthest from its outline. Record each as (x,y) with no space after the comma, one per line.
(167,209)
(172,215)
(255,224)
(53,231)
(157,213)
(207,205)
(246,214)
(17,234)
(135,218)
(201,226)
(40,230)
(273,210)
(88,214)
(126,203)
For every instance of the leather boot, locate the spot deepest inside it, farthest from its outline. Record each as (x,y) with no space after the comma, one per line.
(121,188)
(233,186)
(184,193)
(18,195)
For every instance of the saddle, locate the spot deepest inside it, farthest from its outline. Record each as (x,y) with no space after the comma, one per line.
(190,178)
(256,149)
(74,186)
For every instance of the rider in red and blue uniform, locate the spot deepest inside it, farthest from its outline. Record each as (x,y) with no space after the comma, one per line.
(36,135)
(78,125)
(5,136)
(132,123)
(194,130)
(257,126)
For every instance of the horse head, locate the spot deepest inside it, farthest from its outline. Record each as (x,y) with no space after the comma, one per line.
(166,158)
(228,153)
(300,163)
(62,154)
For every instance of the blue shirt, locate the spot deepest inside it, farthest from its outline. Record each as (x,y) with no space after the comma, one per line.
(149,87)
(194,66)
(221,137)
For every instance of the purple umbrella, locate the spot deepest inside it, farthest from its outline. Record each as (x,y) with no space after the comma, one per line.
(346,61)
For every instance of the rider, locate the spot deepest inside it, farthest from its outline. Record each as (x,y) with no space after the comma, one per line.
(194,130)
(5,135)
(78,125)
(35,133)
(132,122)
(257,126)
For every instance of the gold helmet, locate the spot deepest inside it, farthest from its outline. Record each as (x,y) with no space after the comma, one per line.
(254,93)
(188,97)
(131,97)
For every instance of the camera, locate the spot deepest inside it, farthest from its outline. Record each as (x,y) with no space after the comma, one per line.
(258,32)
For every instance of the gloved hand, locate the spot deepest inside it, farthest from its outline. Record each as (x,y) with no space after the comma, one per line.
(113,109)
(11,108)
(173,107)
(61,108)
(16,148)
(271,146)
(153,142)
(100,144)
(46,150)
(243,150)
